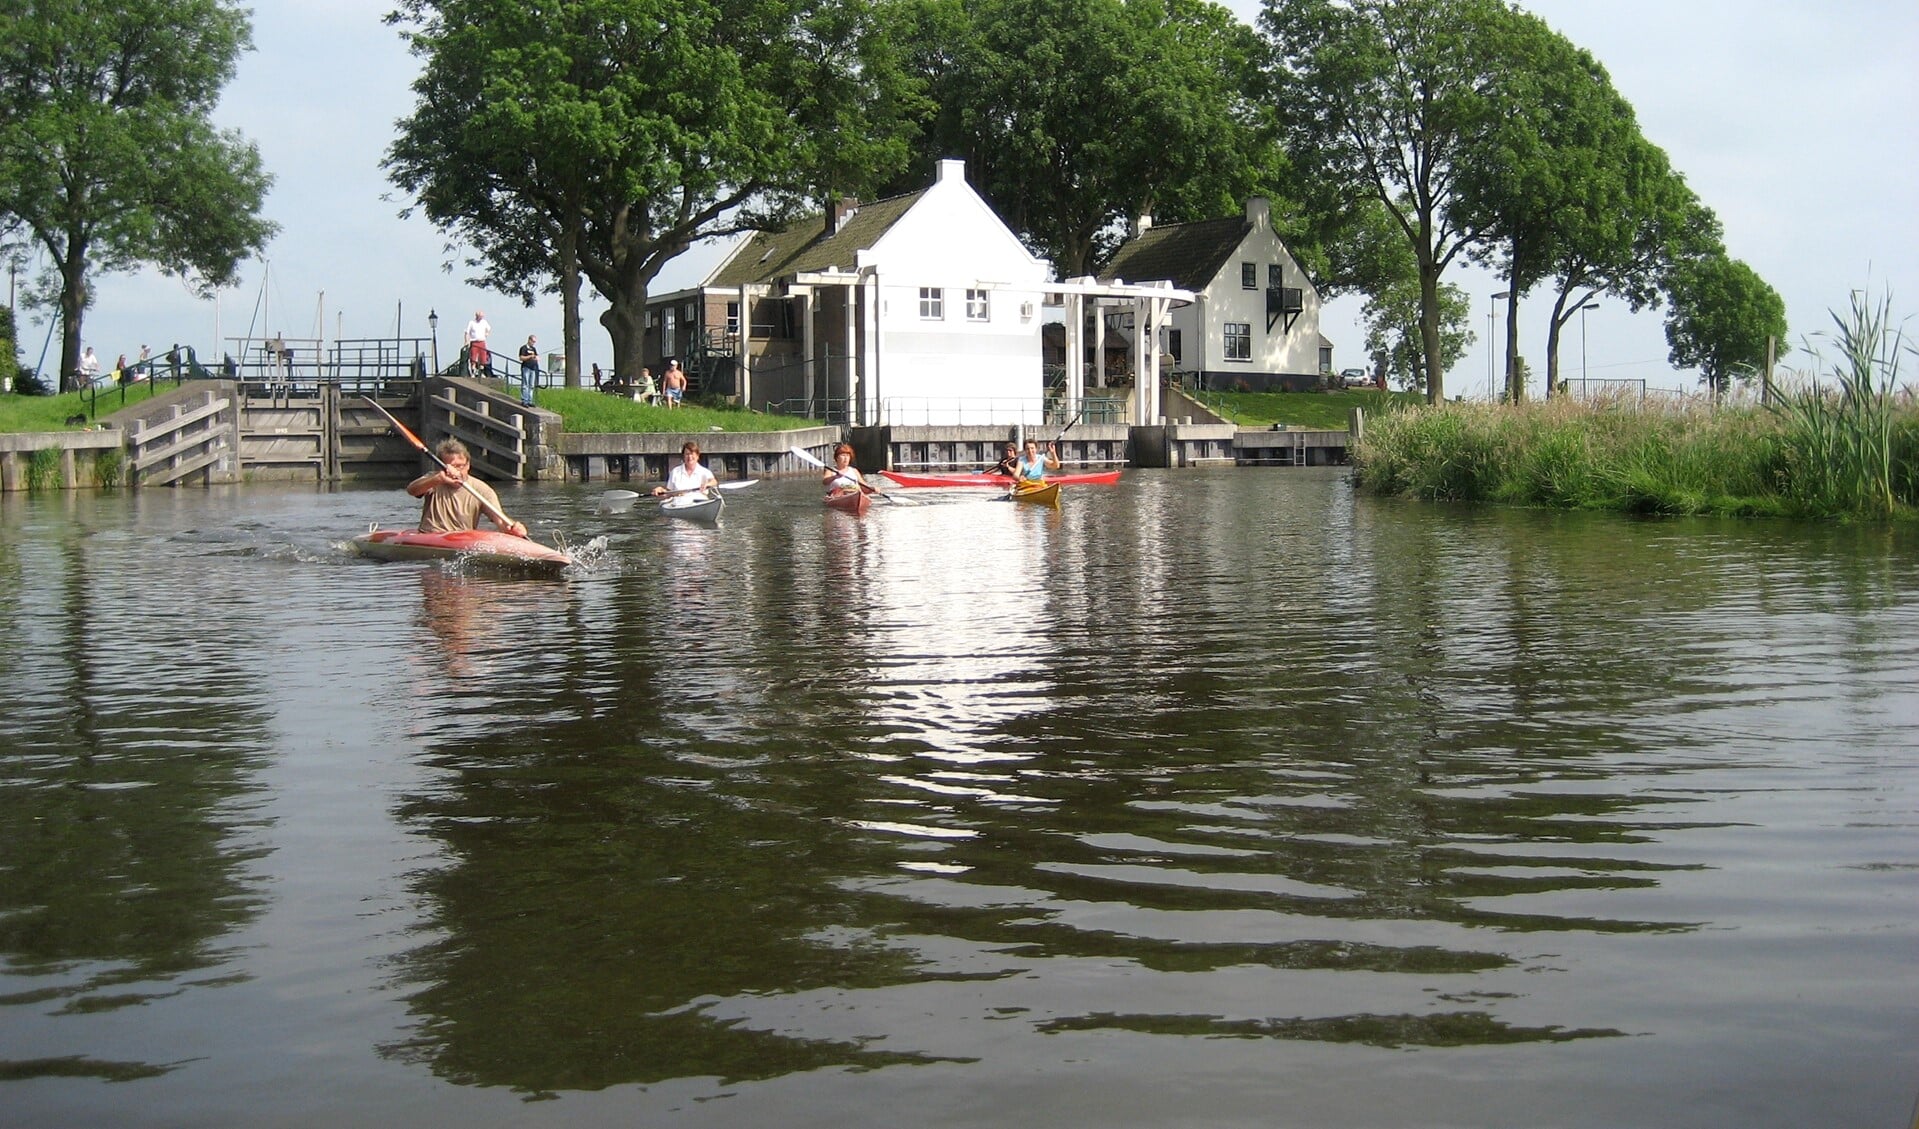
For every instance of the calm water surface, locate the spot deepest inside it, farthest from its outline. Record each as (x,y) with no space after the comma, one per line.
(1221,798)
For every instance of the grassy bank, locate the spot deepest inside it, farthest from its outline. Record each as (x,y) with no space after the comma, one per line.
(1838,444)
(1325,411)
(50,413)
(598,413)
(1686,459)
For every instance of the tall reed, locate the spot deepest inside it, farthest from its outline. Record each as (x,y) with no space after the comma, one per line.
(1846,448)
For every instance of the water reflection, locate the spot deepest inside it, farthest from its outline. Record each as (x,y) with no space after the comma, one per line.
(130,820)
(1017,797)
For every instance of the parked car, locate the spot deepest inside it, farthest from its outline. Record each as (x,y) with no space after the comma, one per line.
(1355,378)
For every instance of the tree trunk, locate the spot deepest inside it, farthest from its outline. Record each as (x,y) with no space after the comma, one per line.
(569,250)
(73,311)
(1515,386)
(1429,332)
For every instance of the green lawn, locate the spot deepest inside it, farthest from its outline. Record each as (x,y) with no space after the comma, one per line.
(589,411)
(50,413)
(1329,411)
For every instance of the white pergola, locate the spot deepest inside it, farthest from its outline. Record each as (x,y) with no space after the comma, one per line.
(1149,303)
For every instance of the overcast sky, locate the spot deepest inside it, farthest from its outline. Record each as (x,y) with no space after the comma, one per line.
(1797,122)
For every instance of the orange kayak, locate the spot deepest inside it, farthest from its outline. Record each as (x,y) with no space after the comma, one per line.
(849,501)
(488,547)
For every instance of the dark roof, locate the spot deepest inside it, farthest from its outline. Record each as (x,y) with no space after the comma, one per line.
(805,246)
(1189,255)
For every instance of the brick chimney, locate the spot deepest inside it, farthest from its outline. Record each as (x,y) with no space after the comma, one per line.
(842,210)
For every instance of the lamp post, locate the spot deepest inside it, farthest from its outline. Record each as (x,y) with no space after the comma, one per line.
(433,324)
(1582,342)
(1492,335)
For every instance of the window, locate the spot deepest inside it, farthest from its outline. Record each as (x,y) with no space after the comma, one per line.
(1172,344)
(976,306)
(1275,276)
(932,303)
(1249,276)
(1239,341)
(732,319)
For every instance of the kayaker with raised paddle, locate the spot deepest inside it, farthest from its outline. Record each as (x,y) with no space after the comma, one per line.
(454,499)
(1033,466)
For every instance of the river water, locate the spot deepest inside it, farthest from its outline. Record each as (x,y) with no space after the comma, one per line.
(1215,798)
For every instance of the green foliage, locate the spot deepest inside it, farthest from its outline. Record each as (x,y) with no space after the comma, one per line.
(1684,458)
(1722,315)
(602,138)
(109,466)
(108,155)
(1847,448)
(43,469)
(1393,330)
(1030,93)
(596,412)
(1324,411)
(1383,101)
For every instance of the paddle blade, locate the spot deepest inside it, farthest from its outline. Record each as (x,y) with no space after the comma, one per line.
(617,501)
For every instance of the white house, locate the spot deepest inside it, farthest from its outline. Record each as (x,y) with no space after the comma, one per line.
(1254,323)
(918,309)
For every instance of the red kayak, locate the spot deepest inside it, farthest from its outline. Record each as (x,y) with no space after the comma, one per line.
(480,546)
(850,501)
(997,481)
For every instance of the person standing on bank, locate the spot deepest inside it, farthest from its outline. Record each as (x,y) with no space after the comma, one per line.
(529,369)
(448,505)
(477,358)
(674,382)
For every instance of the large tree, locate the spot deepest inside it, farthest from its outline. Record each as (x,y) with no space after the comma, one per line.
(1075,116)
(602,138)
(108,156)
(1393,338)
(1722,318)
(1383,100)
(1570,191)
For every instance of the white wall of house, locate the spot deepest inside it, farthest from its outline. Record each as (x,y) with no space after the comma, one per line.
(959,313)
(1226,301)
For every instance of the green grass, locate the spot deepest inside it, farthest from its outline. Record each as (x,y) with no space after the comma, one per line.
(587,411)
(49,413)
(1325,411)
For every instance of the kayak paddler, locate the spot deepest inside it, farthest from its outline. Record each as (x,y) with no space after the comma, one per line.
(448,505)
(1033,466)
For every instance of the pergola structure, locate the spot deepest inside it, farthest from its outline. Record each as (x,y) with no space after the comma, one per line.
(1148,302)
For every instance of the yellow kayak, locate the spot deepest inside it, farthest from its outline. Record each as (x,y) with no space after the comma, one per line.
(1038,493)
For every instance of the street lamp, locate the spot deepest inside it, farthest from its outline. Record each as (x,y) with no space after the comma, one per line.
(1492,333)
(1582,342)
(433,324)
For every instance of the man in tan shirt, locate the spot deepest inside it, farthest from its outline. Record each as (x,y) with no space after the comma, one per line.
(450,506)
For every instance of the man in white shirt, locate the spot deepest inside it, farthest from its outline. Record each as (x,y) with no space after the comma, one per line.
(89,367)
(477,331)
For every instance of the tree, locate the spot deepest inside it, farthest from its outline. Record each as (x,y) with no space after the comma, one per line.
(108,156)
(1393,331)
(1383,100)
(1570,190)
(1075,116)
(1722,317)
(599,139)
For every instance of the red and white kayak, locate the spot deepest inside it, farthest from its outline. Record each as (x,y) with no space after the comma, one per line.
(488,547)
(997,481)
(849,501)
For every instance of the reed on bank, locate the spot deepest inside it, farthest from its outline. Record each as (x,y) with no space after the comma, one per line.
(1843,445)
